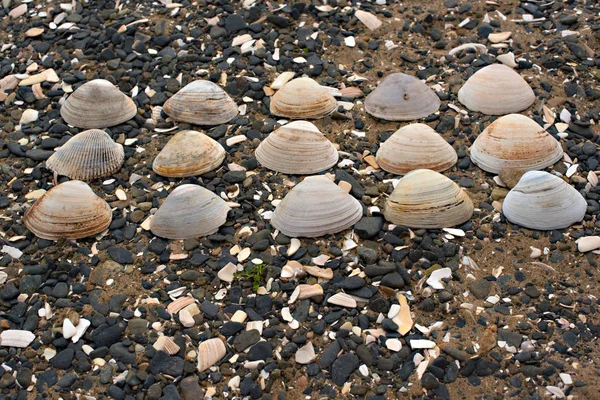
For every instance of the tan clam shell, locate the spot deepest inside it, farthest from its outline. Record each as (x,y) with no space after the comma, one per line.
(428,199)
(188,153)
(70,210)
(297,148)
(543,201)
(86,156)
(97,104)
(201,102)
(303,98)
(316,207)
(401,97)
(189,211)
(515,141)
(496,90)
(416,146)
(210,352)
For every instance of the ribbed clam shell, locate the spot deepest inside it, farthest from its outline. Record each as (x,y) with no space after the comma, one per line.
(415,146)
(515,141)
(297,148)
(496,90)
(189,211)
(428,199)
(97,104)
(188,153)
(303,98)
(543,201)
(210,352)
(202,103)
(88,155)
(70,210)
(401,97)
(316,207)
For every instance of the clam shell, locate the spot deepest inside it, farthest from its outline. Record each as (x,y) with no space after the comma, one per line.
(97,104)
(415,146)
(188,153)
(297,148)
(303,98)
(70,210)
(316,207)
(189,211)
(88,155)
(202,103)
(401,97)
(16,338)
(210,352)
(515,141)
(428,199)
(543,201)
(496,90)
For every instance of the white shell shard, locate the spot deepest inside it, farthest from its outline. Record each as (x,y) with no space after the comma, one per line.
(303,98)
(68,329)
(401,97)
(188,153)
(189,211)
(70,210)
(515,141)
(306,354)
(588,243)
(496,90)
(297,148)
(202,103)
(343,300)
(210,352)
(544,202)
(316,207)
(16,338)
(416,146)
(428,199)
(87,156)
(97,104)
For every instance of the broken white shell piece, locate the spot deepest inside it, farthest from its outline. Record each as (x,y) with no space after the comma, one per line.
(435,279)
(422,344)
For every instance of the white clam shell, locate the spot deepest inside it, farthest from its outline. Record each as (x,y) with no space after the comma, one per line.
(70,210)
(87,156)
(401,97)
(210,352)
(428,199)
(189,211)
(202,103)
(316,207)
(297,148)
(188,153)
(543,201)
(416,146)
(496,90)
(97,104)
(303,98)
(16,338)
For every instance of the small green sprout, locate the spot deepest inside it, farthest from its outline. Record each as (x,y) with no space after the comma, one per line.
(253,274)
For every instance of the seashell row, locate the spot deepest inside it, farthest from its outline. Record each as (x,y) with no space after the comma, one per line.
(97,104)
(202,103)
(210,352)
(496,90)
(316,207)
(189,211)
(70,210)
(87,156)
(416,146)
(297,148)
(543,201)
(188,153)
(401,97)
(515,141)
(428,199)
(303,98)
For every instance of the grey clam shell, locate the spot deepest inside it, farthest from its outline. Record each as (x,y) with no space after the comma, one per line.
(316,207)
(543,201)
(87,156)
(189,211)
(401,97)
(303,98)
(297,148)
(97,104)
(201,102)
